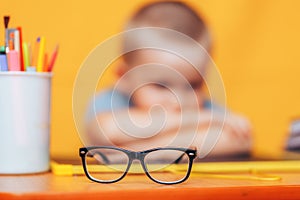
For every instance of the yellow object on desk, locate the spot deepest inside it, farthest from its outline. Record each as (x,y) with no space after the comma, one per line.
(225,170)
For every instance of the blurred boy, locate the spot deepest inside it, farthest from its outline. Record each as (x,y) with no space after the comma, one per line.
(160,100)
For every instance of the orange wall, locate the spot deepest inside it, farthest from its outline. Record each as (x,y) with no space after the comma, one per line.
(256,50)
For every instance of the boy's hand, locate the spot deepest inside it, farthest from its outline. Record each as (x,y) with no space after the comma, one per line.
(238,126)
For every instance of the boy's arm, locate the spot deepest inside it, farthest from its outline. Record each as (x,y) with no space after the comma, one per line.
(134,124)
(235,136)
(226,145)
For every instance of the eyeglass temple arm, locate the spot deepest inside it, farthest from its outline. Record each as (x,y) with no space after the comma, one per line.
(104,157)
(180,157)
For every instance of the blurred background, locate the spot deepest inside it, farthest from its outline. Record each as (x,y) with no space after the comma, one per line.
(256,48)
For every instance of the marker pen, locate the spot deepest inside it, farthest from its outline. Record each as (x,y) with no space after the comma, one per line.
(3,60)
(13,60)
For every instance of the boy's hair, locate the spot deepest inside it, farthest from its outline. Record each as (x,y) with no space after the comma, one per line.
(173,15)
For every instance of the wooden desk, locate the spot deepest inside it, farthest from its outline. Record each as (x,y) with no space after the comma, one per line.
(49,186)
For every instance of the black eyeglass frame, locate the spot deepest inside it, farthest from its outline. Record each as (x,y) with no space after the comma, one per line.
(139,155)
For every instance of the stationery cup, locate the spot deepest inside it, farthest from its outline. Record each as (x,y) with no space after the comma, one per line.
(24,122)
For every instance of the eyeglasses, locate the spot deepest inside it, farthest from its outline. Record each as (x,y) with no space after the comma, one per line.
(105,164)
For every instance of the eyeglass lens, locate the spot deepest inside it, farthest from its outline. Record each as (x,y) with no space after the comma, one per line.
(167,165)
(106,164)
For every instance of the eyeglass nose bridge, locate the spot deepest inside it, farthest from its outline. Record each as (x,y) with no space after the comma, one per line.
(135,156)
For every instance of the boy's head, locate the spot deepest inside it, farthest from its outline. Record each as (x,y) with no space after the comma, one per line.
(157,84)
(172,15)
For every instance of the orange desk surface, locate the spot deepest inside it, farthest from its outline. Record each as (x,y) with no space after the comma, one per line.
(49,186)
